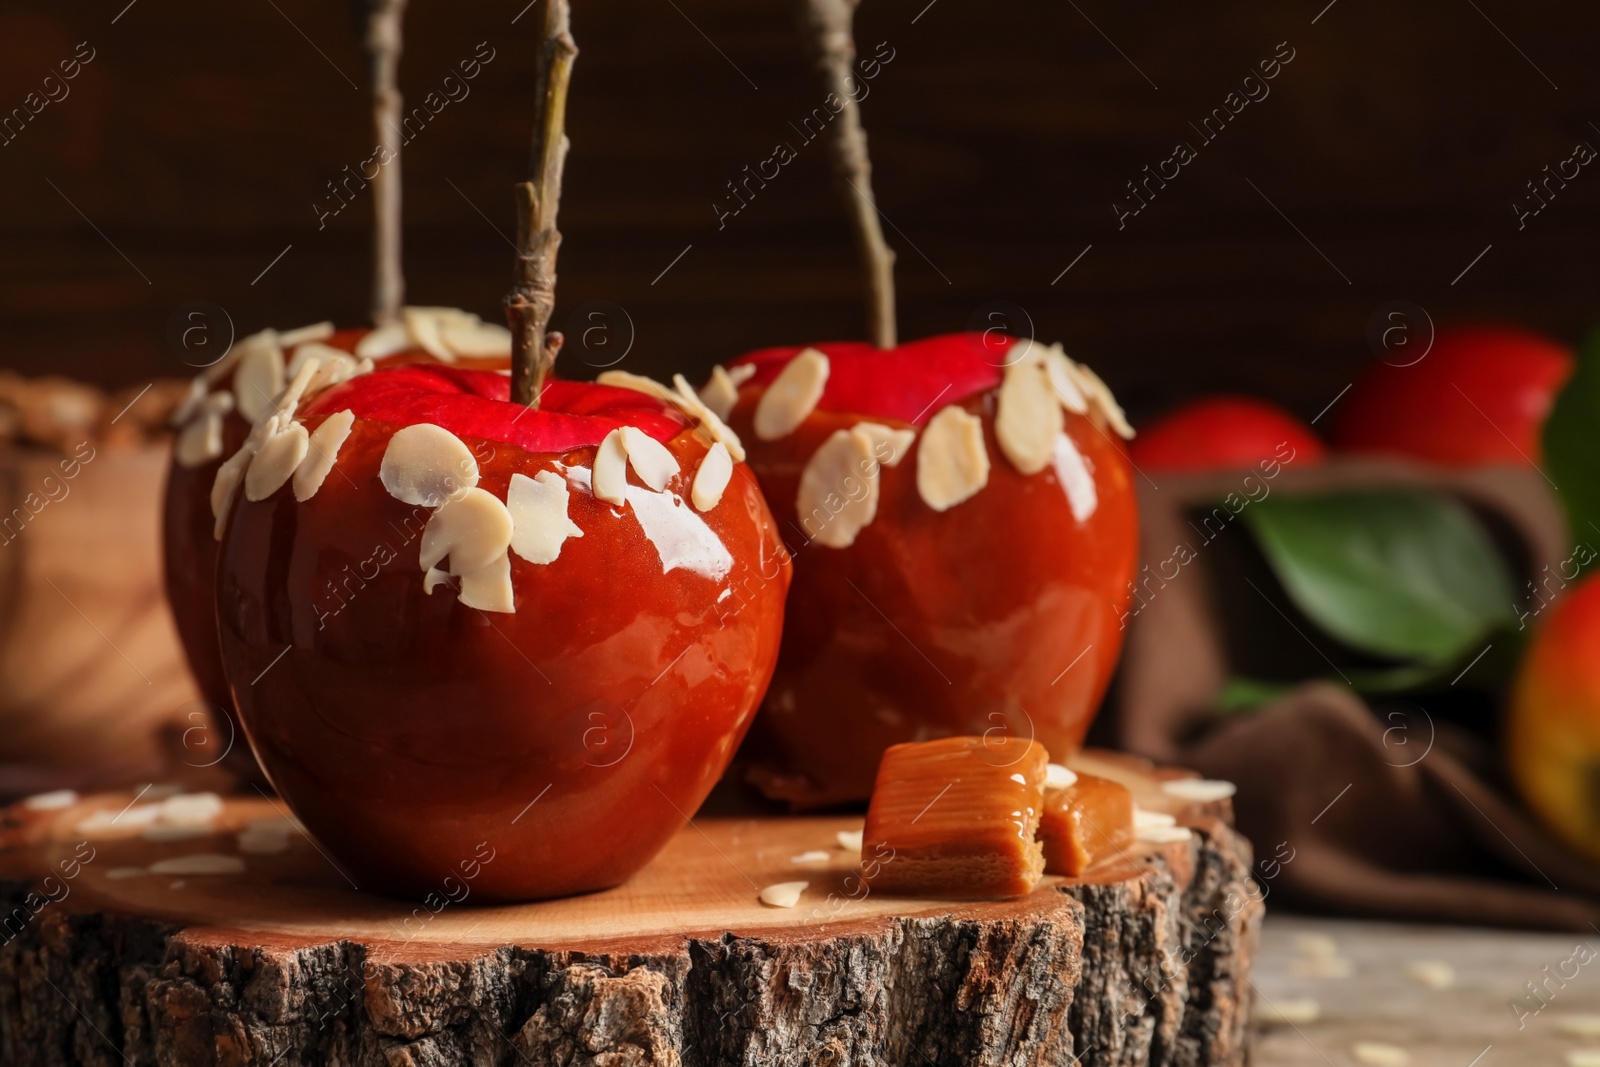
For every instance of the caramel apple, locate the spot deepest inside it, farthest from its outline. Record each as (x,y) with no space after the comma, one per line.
(963,536)
(223,403)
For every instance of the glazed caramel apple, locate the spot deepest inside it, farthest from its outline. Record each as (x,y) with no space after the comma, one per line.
(224,401)
(964,530)
(457,625)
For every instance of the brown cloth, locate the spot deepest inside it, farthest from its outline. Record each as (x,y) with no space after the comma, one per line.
(1394,811)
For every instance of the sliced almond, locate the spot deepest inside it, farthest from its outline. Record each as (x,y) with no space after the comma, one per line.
(258,380)
(1162,835)
(1379,1054)
(621,379)
(783,894)
(427,464)
(1435,974)
(849,840)
(1028,416)
(476,339)
(1579,1025)
(1302,1010)
(190,809)
(324,445)
(952,463)
(1065,383)
(1200,790)
(225,487)
(539,521)
(223,367)
(1058,777)
(200,441)
(276,461)
(55,800)
(472,529)
(889,446)
(610,478)
(433,579)
(200,863)
(792,396)
(317,331)
(816,855)
(489,588)
(712,478)
(1101,400)
(313,350)
(385,341)
(1143,818)
(689,402)
(651,460)
(838,496)
(721,392)
(191,402)
(424,326)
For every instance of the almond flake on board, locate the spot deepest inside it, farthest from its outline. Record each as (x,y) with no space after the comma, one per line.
(52,801)
(489,588)
(1379,1054)
(952,463)
(712,477)
(472,528)
(792,396)
(1200,790)
(190,809)
(1435,974)
(838,495)
(426,464)
(850,840)
(1288,1012)
(539,521)
(1028,414)
(323,450)
(651,460)
(816,855)
(1162,835)
(783,894)
(275,462)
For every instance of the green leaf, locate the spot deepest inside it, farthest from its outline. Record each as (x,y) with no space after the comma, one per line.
(1572,444)
(1408,575)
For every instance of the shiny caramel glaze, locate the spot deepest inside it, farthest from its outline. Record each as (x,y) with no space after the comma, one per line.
(1001,615)
(1089,821)
(189,555)
(956,818)
(572,737)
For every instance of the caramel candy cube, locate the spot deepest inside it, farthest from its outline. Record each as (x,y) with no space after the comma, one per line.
(1084,823)
(956,818)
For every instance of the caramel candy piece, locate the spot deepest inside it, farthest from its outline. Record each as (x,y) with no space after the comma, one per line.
(1084,823)
(956,818)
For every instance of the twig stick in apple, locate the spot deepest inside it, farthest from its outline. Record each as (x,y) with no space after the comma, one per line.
(383,41)
(533,295)
(828,26)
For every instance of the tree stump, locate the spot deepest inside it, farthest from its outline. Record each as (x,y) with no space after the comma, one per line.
(1144,961)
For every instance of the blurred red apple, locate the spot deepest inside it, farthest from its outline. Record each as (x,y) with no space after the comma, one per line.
(454,623)
(1479,396)
(1223,433)
(964,531)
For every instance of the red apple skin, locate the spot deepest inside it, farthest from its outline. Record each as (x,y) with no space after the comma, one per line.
(1553,728)
(411,733)
(933,624)
(1479,397)
(190,565)
(1223,433)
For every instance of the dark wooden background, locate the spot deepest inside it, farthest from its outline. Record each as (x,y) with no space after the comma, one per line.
(202,133)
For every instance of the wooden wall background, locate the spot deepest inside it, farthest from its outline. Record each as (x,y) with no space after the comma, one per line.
(1397,139)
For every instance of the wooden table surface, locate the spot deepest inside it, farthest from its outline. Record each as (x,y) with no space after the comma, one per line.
(1469,1024)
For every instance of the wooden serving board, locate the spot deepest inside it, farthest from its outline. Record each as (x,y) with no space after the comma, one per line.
(1145,961)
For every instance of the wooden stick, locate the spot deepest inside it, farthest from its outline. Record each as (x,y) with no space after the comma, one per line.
(384,22)
(533,295)
(828,27)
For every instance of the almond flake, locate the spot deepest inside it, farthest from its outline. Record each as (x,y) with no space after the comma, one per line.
(190,809)
(1435,974)
(276,461)
(850,840)
(539,521)
(792,396)
(424,326)
(1323,967)
(838,496)
(472,528)
(651,460)
(199,863)
(200,441)
(232,357)
(323,450)
(191,402)
(1064,381)
(1379,1054)
(783,894)
(1028,416)
(427,465)
(489,588)
(610,476)
(639,383)
(259,378)
(689,402)
(1162,835)
(1200,790)
(226,487)
(433,579)
(1058,777)
(1316,946)
(1302,1010)
(712,478)
(721,392)
(53,801)
(952,463)
(317,331)
(476,339)
(314,350)
(814,856)
(1102,401)
(1143,818)
(385,341)
(1579,1025)
(889,446)
(1584,1057)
